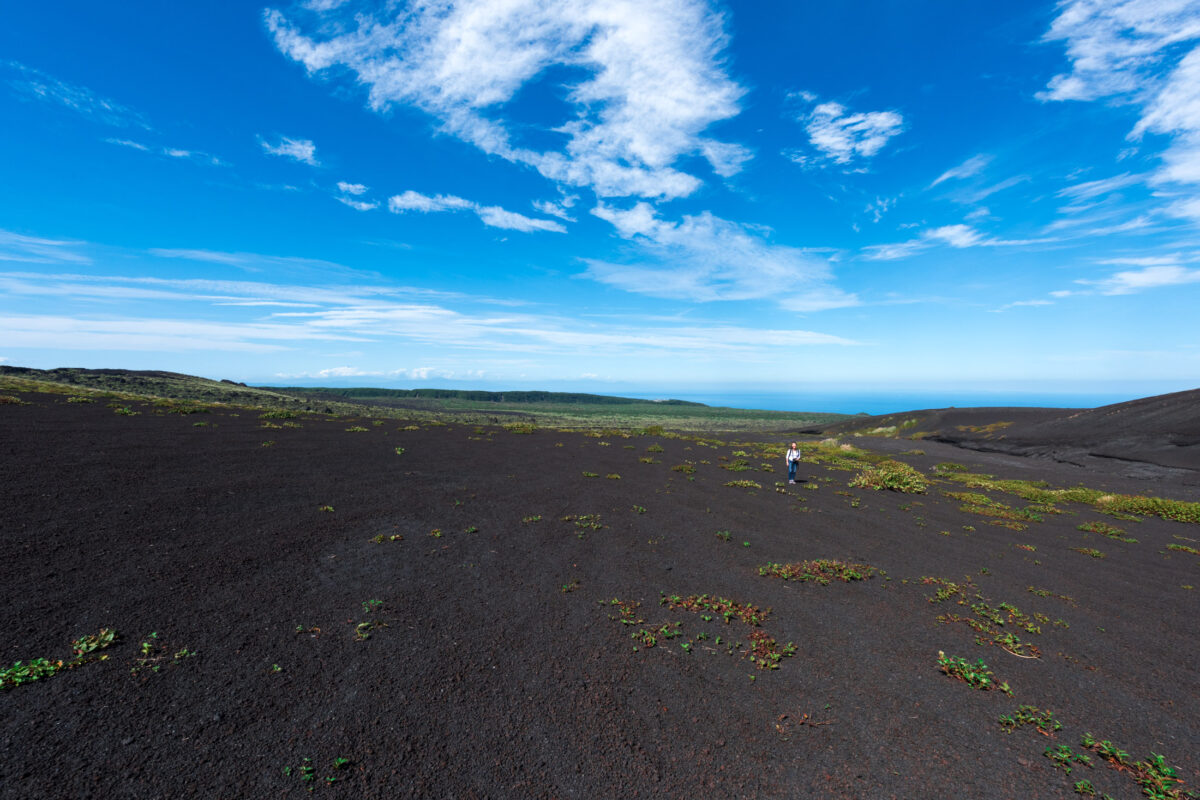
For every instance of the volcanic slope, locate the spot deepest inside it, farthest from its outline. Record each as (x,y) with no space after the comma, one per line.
(1154,437)
(445,608)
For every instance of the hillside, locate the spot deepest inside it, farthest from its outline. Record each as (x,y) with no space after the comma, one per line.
(1148,436)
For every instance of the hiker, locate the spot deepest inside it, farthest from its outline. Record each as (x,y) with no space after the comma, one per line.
(793,458)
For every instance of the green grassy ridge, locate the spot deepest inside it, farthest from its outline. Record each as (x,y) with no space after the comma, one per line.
(564,410)
(473,395)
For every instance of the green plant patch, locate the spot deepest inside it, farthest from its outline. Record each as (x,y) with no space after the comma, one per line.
(975,675)
(990,621)
(1043,720)
(584,522)
(744,484)
(1183,548)
(895,476)
(1089,551)
(1157,779)
(154,656)
(1065,758)
(1104,529)
(1048,593)
(37,669)
(820,570)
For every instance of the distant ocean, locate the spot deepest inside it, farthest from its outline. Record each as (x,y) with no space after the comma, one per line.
(888,403)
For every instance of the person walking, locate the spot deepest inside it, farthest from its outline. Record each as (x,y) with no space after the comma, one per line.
(793,458)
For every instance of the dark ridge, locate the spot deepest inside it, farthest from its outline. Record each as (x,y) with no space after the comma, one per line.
(1163,431)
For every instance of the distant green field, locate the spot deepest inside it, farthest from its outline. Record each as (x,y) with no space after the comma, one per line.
(543,409)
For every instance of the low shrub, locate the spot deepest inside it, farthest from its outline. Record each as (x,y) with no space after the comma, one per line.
(894,475)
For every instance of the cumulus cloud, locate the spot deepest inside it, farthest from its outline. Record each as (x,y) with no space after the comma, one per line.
(492,216)
(643,82)
(351,188)
(302,150)
(1140,52)
(841,137)
(705,258)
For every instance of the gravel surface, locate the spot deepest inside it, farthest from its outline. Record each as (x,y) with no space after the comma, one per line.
(492,666)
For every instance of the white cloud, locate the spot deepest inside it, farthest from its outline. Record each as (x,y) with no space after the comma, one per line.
(170,152)
(379,317)
(1134,51)
(492,216)
(153,334)
(643,81)
(357,205)
(955,235)
(972,166)
(257,262)
(35,250)
(958,236)
(879,207)
(1136,280)
(842,137)
(1021,304)
(705,258)
(302,150)
(553,209)
(38,85)
(497,217)
(1090,189)
(415,201)
(1117,48)
(351,188)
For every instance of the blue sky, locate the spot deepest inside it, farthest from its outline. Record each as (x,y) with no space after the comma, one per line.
(608,196)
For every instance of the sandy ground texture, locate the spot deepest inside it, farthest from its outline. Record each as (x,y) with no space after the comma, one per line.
(480,654)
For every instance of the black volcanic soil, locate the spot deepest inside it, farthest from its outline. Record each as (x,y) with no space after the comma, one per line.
(488,680)
(1151,438)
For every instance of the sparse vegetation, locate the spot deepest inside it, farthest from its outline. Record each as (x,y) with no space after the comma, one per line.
(37,669)
(892,475)
(821,571)
(1104,529)
(975,675)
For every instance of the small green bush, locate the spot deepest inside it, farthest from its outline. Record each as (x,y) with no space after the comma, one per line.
(894,475)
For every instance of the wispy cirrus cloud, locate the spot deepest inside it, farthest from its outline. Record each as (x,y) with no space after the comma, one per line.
(492,216)
(1022,304)
(302,150)
(645,80)
(37,250)
(958,236)
(258,262)
(368,315)
(705,258)
(840,136)
(169,152)
(37,85)
(969,168)
(1143,53)
(1130,281)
